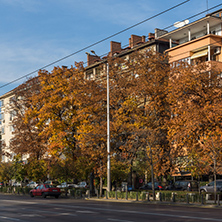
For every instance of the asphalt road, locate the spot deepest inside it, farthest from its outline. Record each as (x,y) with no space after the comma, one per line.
(27,209)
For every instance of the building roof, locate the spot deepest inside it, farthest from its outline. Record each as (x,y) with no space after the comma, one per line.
(129,50)
(8,94)
(194,27)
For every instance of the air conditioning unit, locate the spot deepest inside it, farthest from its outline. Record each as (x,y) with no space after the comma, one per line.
(217,50)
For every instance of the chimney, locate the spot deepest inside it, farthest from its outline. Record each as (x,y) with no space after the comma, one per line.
(92,59)
(143,38)
(159,32)
(115,47)
(151,36)
(135,39)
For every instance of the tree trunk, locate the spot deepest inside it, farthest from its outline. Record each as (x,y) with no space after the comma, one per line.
(215,181)
(152,174)
(101,186)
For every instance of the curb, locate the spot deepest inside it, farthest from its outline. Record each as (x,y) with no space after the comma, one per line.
(155,203)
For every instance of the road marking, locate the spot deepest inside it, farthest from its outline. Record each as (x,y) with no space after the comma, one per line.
(67,214)
(30,215)
(120,211)
(17,201)
(9,218)
(119,220)
(146,213)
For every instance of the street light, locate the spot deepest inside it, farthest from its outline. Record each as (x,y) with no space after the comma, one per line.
(108,132)
(108,129)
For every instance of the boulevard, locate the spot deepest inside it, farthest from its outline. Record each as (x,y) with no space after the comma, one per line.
(26,209)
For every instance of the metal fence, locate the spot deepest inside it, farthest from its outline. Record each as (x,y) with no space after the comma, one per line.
(74,193)
(166,196)
(160,196)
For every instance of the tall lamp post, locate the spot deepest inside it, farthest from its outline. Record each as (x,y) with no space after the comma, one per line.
(108,130)
(108,133)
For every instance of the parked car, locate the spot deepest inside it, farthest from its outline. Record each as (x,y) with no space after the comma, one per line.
(17,184)
(124,187)
(65,185)
(184,185)
(210,187)
(148,186)
(32,184)
(82,184)
(45,190)
(51,182)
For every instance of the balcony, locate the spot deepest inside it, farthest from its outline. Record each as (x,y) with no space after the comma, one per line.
(214,64)
(204,44)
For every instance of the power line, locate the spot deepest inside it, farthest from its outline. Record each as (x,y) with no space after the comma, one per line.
(219,41)
(193,16)
(96,43)
(196,49)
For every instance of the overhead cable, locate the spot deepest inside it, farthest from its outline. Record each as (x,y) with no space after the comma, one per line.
(96,43)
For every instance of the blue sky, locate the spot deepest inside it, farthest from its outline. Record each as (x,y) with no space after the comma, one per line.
(34,33)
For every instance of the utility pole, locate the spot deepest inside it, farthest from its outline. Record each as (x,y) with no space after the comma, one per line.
(108,128)
(108,134)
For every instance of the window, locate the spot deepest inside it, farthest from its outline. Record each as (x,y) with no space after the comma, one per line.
(98,72)
(211,184)
(3,142)
(89,74)
(1,102)
(3,130)
(2,117)
(12,115)
(12,129)
(184,61)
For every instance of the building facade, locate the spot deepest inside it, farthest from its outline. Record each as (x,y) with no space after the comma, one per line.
(136,43)
(198,41)
(7,128)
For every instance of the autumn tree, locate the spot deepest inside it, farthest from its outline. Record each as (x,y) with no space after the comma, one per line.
(152,74)
(138,110)
(36,169)
(26,139)
(6,171)
(195,127)
(18,169)
(92,131)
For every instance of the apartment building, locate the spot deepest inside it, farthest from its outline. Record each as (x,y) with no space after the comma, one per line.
(136,43)
(200,40)
(6,117)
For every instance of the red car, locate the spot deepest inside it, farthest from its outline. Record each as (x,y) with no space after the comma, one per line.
(45,190)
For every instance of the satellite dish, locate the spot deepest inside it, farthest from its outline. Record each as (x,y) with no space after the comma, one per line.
(186,21)
(181,24)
